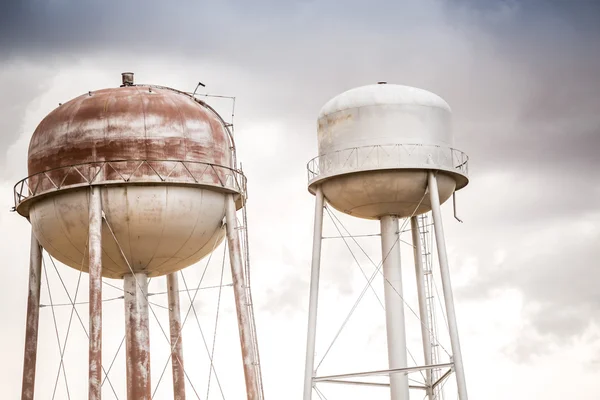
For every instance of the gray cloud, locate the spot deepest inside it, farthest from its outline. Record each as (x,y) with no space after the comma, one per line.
(521,77)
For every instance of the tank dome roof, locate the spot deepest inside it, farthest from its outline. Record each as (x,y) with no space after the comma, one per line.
(129,123)
(381,94)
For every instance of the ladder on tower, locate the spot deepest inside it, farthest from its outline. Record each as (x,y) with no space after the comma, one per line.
(426,232)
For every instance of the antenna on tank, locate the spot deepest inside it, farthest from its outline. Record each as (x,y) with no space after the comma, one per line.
(197,86)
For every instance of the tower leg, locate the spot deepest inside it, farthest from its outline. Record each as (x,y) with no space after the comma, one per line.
(137,342)
(241,301)
(33,318)
(176,337)
(314,295)
(420,274)
(95,293)
(447,285)
(394,306)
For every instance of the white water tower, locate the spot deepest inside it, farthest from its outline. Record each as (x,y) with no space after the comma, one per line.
(386,152)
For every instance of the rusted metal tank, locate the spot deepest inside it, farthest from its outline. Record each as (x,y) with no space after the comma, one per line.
(164,161)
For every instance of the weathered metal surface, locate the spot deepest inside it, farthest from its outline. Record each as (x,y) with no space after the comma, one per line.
(164,160)
(161,229)
(394,306)
(127,78)
(137,336)
(134,172)
(176,337)
(241,303)
(383,115)
(421,294)
(313,305)
(33,318)
(129,123)
(440,241)
(376,144)
(95,293)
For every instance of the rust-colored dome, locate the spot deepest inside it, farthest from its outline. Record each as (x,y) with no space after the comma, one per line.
(129,123)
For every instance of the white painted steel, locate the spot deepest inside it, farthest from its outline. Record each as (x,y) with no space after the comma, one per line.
(382,372)
(382,115)
(371,195)
(447,286)
(314,295)
(160,228)
(394,306)
(376,144)
(421,294)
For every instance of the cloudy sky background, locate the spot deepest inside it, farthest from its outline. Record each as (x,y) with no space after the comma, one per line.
(522,80)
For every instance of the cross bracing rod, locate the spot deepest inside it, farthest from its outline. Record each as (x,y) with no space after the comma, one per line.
(441,379)
(382,372)
(363,383)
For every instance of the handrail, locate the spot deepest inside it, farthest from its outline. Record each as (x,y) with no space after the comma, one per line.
(129,171)
(390,156)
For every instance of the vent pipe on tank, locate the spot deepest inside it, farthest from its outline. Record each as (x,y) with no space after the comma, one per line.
(127,78)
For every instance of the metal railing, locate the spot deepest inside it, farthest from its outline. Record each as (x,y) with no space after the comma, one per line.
(129,171)
(391,156)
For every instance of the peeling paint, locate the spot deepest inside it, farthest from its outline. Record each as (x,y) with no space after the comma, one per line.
(176,338)
(137,336)
(33,315)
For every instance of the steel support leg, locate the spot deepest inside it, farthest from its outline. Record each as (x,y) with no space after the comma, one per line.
(33,318)
(137,336)
(314,294)
(425,328)
(447,285)
(241,301)
(95,293)
(394,306)
(176,337)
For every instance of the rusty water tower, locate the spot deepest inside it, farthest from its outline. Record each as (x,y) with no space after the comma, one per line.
(133,182)
(386,153)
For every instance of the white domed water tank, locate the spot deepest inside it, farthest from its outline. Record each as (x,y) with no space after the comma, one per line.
(376,144)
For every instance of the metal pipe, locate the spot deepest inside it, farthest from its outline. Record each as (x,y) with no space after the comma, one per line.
(420,274)
(394,306)
(137,336)
(33,319)
(176,337)
(241,301)
(454,207)
(95,293)
(362,383)
(314,294)
(447,285)
(383,372)
(441,379)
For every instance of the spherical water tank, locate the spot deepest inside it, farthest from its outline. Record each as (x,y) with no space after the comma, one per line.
(376,144)
(164,163)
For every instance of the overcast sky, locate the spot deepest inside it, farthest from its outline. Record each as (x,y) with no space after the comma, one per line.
(523,83)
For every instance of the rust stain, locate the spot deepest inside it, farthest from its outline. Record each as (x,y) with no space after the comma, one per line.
(95,294)
(176,339)
(137,341)
(127,123)
(33,314)
(249,359)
